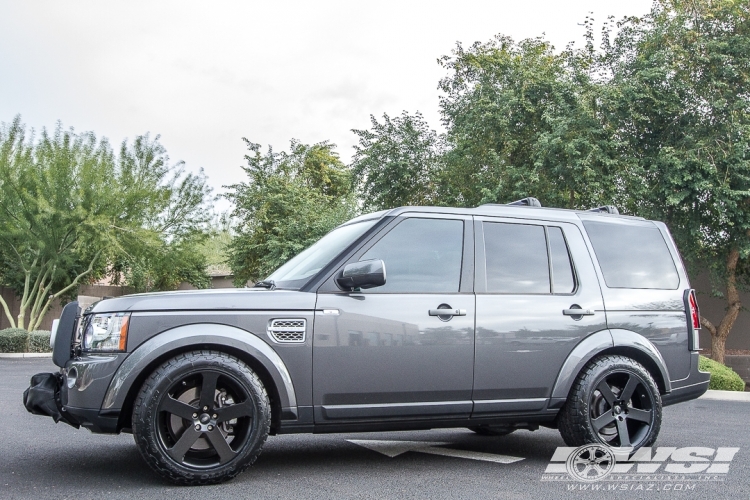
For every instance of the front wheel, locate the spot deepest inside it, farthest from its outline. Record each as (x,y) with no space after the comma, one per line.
(201,418)
(615,402)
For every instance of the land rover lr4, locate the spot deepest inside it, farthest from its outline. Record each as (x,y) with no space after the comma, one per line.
(496,318)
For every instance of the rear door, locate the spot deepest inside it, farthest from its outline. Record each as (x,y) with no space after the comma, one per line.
(529,276)
(379,353)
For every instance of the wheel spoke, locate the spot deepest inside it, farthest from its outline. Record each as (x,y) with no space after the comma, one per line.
(602,420)
(607,393)
(171,405)
(208,389)
(221,446)
(629,389)
(623,433)
(181,447)
(239,410)
(639,415)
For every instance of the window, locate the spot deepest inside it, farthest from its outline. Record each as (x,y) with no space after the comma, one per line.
(562,269)
(298,271)
(632,255)
(421,256)
(520,258)
(516,256)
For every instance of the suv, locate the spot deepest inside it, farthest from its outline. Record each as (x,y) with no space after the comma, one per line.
(495,318)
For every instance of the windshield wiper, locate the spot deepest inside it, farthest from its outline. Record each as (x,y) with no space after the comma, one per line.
(270,284)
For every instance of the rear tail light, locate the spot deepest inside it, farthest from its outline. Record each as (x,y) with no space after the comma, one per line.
(693,319)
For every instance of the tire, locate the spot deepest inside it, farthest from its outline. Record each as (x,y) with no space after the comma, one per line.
(614,401)
(193,440)
(491,430)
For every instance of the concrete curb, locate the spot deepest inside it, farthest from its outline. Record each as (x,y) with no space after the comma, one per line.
(727,396)
(18,355)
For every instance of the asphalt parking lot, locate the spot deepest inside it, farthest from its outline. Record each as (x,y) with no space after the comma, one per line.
(41,459)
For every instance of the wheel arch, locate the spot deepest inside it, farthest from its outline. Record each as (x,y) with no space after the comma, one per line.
(250,349)
(616,341)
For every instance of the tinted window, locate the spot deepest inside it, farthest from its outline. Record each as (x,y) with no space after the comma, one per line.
(632,256)
(516,256)
(421,255)
(562,269)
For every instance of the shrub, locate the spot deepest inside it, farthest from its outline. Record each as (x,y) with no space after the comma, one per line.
(723,378)
(13,340)
(39,341)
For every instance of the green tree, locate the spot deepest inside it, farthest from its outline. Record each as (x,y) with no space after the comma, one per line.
(71,211)
(396,162)
(290,200)
(523,120)
(681,76)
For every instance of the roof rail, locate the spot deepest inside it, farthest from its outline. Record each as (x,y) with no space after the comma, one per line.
(527,202)
(608,209)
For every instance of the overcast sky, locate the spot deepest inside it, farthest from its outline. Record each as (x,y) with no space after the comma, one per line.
(206,74)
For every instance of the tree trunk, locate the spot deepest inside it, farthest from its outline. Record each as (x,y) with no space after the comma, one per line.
(720,332)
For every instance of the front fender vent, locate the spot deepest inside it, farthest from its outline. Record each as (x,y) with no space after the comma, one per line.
(287,331)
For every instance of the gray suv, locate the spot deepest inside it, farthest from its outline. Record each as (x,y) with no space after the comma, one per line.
(495,318)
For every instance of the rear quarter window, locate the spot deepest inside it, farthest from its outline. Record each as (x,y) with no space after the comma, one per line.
(632,256)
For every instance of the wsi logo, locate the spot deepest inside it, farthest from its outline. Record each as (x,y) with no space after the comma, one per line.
(595,462)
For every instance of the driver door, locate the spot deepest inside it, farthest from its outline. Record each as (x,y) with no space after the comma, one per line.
(378,353)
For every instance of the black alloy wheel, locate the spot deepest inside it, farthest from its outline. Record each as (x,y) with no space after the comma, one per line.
(615,402)
(622,409)
(201,418)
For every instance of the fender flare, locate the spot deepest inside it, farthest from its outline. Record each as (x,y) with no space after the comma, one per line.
(195,335)
(595,344)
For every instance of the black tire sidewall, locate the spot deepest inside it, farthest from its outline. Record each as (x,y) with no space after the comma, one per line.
(145,416)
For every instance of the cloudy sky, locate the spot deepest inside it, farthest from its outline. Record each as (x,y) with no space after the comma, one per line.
(206,74)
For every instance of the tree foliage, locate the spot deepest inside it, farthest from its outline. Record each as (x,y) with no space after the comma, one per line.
(290,200)
(73,211)
(396,162)
(522,119)
(683,107)
(655,121)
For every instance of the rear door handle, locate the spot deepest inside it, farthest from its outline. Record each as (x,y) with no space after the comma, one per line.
(578,312)
(447,312)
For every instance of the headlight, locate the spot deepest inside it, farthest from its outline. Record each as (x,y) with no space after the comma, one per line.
(105,332)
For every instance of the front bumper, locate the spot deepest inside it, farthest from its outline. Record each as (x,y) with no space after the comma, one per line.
(691,387)
(42,397)
(75,395)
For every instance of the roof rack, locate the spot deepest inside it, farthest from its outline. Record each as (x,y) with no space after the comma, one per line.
(608,209)
(527,202)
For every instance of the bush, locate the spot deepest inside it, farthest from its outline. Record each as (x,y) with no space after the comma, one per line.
(723,378)
(13,340)
(39,341)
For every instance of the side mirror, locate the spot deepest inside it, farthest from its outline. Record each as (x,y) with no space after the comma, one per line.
(365,274)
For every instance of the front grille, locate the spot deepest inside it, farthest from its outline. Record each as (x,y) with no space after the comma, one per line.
(287,331)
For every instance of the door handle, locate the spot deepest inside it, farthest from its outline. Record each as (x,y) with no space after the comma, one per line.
(578,312)
(447,312)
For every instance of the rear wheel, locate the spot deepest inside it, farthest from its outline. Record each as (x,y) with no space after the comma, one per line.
(491,430)
(615,402)
(201,418)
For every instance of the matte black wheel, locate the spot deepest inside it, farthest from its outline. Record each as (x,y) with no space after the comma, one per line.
(201,418)
(491,430)
(614,401)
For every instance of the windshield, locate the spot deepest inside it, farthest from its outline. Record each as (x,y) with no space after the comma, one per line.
(295,273)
